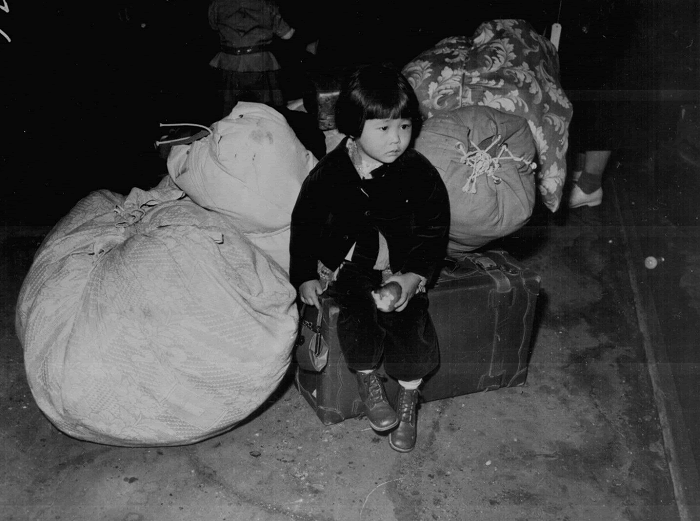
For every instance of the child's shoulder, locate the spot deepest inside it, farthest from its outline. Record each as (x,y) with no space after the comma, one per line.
(419,163)
(336,158)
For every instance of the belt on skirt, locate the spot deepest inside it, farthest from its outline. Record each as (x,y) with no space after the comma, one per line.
(238,51)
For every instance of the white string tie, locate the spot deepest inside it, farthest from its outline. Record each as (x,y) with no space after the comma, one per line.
(158,143)
(482,163)
(129,214)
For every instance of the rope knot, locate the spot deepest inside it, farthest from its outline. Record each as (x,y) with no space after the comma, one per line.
(483,163)
(128,215)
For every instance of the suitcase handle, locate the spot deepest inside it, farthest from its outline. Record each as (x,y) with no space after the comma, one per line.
(485,263)
(480,261)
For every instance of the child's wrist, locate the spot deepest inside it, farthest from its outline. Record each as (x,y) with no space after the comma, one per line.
(420,288)
(421,284)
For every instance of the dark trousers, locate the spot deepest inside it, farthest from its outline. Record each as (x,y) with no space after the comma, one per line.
(406,340)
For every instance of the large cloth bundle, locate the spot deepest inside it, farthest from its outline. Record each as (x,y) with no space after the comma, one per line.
(507,66)
(251,167)
(485,157)
(148,320)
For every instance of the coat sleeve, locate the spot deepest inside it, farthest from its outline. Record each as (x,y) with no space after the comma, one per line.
(310,213)
(430,227)
(213,21)
(279,26)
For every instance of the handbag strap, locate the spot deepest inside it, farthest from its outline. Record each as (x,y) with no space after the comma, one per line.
(306,323)
(316,328)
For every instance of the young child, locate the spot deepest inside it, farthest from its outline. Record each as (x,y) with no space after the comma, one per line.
(371,212)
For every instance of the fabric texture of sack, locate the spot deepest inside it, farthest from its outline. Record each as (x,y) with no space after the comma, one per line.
(250,167)
(485,157)
(508,66)
(274,244)
(147,320)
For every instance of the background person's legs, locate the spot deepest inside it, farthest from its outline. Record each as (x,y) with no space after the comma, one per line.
(580,159)
(588,187)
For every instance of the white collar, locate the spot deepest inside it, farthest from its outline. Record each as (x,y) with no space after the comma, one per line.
(363,166)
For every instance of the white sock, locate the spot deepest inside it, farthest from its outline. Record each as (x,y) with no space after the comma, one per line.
(412,385)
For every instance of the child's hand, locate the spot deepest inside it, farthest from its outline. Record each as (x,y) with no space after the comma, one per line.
(309,292)
(409,283)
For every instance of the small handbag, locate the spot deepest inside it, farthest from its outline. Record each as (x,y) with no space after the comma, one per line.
(311,348)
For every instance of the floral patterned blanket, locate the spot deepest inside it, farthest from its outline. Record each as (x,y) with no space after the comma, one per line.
(508,66)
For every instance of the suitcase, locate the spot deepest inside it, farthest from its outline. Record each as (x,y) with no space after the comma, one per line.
(483,307)
(326,85)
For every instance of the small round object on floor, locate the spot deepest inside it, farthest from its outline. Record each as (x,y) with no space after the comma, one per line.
(652,262)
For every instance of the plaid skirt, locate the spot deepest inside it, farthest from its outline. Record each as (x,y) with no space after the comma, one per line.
(259,87)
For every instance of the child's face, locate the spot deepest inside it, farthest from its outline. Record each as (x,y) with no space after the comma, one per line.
(384,140)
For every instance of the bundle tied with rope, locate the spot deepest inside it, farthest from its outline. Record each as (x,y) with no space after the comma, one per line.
(486,159)
(482,163)
(147,320)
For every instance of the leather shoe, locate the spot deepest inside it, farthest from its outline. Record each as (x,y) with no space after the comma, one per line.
(580,198)
(380,414)
(403,438)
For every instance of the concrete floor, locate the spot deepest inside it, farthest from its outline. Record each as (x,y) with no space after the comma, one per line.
(582,440)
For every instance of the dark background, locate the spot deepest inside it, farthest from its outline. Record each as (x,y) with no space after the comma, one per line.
(84,85)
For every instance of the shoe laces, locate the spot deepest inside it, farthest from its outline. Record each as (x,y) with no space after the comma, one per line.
(376,391)
(408,400)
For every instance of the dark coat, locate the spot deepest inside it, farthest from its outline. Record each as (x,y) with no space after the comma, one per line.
(407,201)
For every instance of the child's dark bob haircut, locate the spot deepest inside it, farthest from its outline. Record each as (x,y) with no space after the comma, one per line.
(375,92)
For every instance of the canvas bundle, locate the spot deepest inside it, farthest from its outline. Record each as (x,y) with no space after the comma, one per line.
(250,167)
(485,157)
(148,320)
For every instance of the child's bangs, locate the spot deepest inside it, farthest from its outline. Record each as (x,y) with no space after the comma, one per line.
(393,105)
